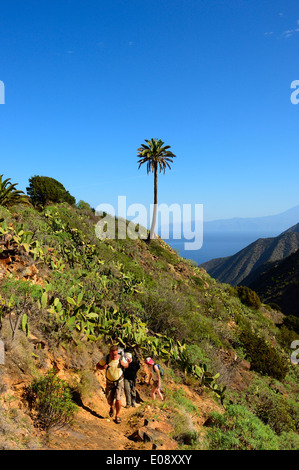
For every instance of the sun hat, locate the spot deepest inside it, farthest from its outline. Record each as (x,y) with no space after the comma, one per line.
(148,360)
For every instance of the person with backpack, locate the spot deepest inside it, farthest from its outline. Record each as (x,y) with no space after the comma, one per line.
(130,375)
(114,365)
(156,373)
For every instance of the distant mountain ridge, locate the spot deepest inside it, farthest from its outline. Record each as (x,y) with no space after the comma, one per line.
(278,282)
(272,223)
(236,268)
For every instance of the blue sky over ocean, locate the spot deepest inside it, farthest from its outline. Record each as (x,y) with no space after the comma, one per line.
(87,81)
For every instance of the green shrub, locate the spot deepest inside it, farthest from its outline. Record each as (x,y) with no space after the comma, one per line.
(271,406)
(286,337)
(179,397)
(289,441)
(292,323)
(263,357)
(50,401)
(239,429)
(198,281)
(19,290)
(163,253)
(183,411)
(274,306)
(280,414)
(248,297)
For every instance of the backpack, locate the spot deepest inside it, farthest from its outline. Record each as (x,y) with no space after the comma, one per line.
(160,369)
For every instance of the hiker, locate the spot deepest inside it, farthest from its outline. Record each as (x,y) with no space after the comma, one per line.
(114,364)
(155,374)
(130,375)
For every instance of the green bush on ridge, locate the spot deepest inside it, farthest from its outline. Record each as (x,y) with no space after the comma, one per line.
(43,190)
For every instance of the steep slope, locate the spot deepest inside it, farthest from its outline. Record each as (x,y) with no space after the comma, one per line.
(66,296)
(234,269)
(278,283)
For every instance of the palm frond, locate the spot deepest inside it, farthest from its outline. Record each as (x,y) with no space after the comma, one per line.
(9,195)
(155,154)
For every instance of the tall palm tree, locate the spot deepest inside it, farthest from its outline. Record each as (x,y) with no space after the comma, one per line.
(156,155)
(9,195)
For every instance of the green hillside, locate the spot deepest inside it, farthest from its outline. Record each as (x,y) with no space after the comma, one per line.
(65,293)
(278,283)
(241,268)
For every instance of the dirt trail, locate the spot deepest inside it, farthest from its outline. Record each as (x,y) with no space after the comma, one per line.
(147,426)
(93,429)
(92,432)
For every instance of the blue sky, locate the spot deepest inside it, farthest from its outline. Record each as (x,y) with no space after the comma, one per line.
(87,81)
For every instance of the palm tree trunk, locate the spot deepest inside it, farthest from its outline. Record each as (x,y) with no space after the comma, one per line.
(154,220)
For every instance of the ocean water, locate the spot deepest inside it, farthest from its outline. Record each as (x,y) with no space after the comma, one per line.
(218,244)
